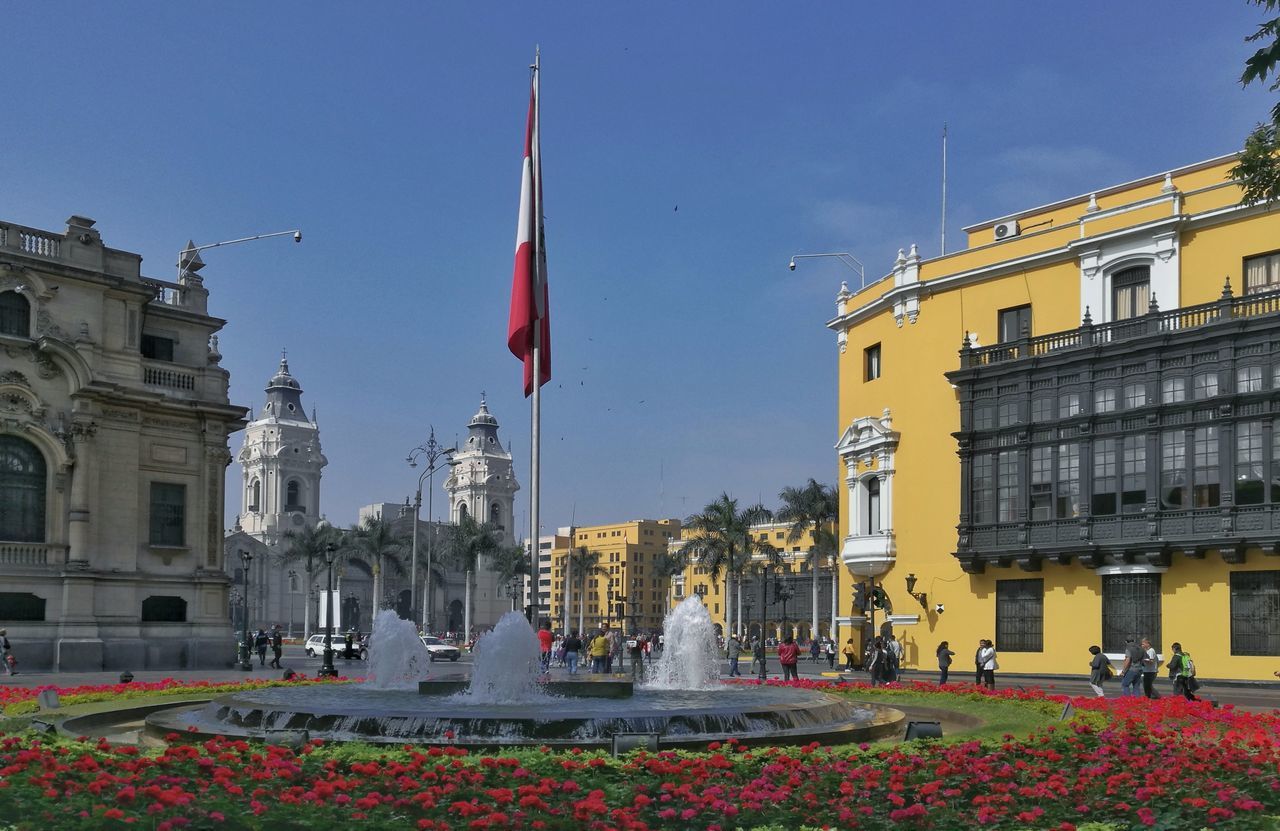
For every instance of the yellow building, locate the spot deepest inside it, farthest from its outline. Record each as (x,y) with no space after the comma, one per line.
(788,595)
(623,587)
(1066,433)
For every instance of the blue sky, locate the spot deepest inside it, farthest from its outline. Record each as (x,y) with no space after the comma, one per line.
(689,151)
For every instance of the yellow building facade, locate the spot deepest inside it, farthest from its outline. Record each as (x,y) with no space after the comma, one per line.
(1069,432)
(623,588)
(788,593)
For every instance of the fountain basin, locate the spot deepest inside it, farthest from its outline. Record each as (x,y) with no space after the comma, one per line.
(750,714)
(615,686)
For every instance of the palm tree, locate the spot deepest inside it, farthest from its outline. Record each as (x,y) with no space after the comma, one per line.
(377,543)
(510,562)
(668,564)
(307,545)
(469,542)
(813,508)
(720,540)
(582,562)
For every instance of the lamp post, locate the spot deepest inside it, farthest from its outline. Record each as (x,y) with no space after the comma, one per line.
(431,452)
(293,576)
(327,669)
(246,665)
(763,592)
(782,592)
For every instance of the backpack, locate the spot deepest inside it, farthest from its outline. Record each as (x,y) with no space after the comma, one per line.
(1188,669)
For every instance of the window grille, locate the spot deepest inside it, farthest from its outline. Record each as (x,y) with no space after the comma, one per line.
(1255,613)
(1130,608)
(1020,615)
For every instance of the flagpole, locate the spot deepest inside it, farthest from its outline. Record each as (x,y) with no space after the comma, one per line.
(536,402)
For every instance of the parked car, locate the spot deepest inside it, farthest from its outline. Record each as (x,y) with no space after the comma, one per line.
(438,648)
(315,646)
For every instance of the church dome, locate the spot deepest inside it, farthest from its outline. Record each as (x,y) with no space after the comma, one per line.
(483,416)
(282,378)
(284,395)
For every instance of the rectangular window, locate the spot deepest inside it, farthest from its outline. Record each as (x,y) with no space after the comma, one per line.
(1133,494)
(1104,477)
(1104,400)
(1248,379)
(984,495)
(1014,322)
(871,362)
(1173,390)
(1205,493)
(1007,486)
(1008,414)
(1068,405)
(1042,483)
(1262,273)
(1249,463)
(1041,409)
(984,417)
(1135,395)
(1173,470)
(157,348)
(1130,292)
(1068,502)
(1205,385)
(1020,615)
(168,513)
(1255,613)
(1130,609)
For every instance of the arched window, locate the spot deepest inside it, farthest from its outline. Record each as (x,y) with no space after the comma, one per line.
(292,502)
(255,496)
(22,489)
(15,315)
(873,505)
(495,514)
(462,511)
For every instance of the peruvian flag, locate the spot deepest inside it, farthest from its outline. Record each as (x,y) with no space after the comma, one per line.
(529,311)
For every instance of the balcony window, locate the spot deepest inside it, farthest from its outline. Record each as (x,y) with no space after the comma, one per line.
(1173,390)
(1068,405)
(1249,379)
(1008,414)
(1007,486)
(1206,488)
(1068,501)
(1133,494)
(984,489)
(1135,395)
(1130,292)
(1205,385)
(1173,470)
(1104,477)
(873,505)
(15,315)
(1262,273)
(1041,483)
(1104,400)
(983,417)
(1014,323)
(157,348)
(1041,409)
(1249,490)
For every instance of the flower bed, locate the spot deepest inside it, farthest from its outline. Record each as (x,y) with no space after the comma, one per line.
(18,701)
(1124,763)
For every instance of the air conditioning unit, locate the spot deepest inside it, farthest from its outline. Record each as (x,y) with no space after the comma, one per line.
(1005,230)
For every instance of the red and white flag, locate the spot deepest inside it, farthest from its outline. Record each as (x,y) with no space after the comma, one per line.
(530,313)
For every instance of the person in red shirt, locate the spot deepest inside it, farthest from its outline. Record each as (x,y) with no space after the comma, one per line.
(545,640)
(789,656)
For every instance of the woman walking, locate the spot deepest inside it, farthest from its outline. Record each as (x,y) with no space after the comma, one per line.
(850,652)
(944,661)
(987,659)
(1099,671)
(572,647)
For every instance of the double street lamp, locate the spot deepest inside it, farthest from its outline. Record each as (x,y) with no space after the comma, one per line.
(431,453)
(246,663)
(327,669)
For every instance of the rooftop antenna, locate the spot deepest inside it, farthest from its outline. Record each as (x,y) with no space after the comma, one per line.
(944,188)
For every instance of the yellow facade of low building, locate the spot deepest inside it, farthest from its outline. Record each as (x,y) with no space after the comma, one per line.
(1035,510)
(624,576)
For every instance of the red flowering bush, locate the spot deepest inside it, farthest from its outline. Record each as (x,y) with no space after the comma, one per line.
(1127,763)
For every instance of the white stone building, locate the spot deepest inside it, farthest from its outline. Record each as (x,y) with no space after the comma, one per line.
(114,419)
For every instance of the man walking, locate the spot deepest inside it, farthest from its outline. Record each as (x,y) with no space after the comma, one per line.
(734,650)
(1131,670)
(277,646)
(789,656)
(260,643)
(545,640)
(1150,665)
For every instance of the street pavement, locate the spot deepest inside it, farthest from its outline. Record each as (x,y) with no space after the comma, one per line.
(1254,696)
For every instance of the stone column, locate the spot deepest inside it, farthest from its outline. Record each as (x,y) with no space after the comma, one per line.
(82,433)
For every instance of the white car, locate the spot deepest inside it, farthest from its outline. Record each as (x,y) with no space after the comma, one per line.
(440,649)
(315,646)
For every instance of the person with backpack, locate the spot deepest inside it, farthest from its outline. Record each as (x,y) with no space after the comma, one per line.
(1183,672)
(1099,671)
(944,661)
(6,654)
(1131,671)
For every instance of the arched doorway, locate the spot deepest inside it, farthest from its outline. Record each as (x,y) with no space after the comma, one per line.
(455,616)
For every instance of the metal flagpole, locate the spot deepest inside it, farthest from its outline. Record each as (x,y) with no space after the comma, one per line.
(944,187)
(536,404)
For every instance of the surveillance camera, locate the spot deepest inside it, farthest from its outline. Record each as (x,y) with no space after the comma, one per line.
(792,265)
(938,607)
(297,236)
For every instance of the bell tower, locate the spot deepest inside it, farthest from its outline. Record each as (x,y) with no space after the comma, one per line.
(281,460)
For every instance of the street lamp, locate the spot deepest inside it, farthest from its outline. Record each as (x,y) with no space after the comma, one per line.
(765,573)
(848,260)
(189,259)
(293,576)
(246,664)
(431,452)
(327,668)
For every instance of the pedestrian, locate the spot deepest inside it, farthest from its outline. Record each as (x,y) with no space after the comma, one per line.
(572,649)
(989,664)
(1131,670)
(789,656)
(873,661)
(944,661)
(1150,666)
(545,639)
(636,648)
(599,652)
(850,653)
(260,642)
(615,647)
(977,662)
(815,649)
(1099,671)
(6,654)
(899,649)
(830,648)
(277,646)
(734,650)
(1183,672)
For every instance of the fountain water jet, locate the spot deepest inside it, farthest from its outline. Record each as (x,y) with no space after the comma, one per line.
(690,655)
(397,658)
(506,665)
